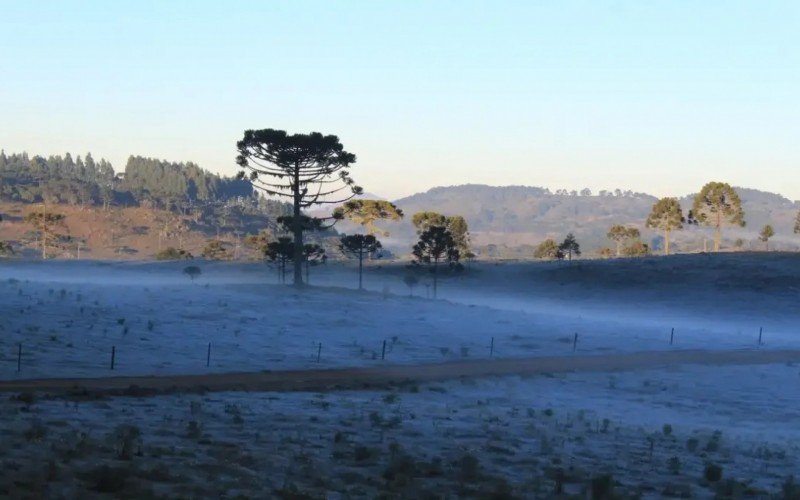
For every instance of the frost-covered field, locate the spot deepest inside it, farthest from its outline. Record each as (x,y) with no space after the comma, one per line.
(67,316)
(650,433)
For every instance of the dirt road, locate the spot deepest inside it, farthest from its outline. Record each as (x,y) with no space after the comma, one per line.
(384,376)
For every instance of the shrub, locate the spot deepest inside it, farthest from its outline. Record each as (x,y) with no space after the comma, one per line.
(602,487)
(215,250)
(5,249)
(105,479)
(125,438)
(171,253)
(192,272)
(674,465)
(712,473)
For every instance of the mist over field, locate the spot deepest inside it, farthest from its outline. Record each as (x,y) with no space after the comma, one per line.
(399,250)
(653,402)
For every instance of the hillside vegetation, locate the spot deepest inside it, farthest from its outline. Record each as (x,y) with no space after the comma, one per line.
(507,221)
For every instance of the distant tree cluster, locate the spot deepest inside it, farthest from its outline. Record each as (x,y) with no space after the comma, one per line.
(167,185)
(550,250)
(84,181)
(57,179)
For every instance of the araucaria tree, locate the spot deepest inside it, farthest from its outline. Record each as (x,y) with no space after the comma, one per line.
(456,225)
(281,252)
(570,246)
(766,233)
(313,254)
(666,216)
(436,246)
(621,234)
(309,169)
(359,246)
(366,212)
(718,204)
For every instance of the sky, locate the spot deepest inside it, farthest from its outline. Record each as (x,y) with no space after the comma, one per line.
(658,96)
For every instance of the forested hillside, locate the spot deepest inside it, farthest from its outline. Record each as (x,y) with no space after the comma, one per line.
(84,181)
(507,221)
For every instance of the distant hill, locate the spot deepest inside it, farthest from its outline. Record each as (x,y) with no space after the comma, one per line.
(504,221)
(514,218)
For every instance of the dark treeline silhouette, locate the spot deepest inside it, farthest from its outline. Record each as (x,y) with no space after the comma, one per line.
(85,181)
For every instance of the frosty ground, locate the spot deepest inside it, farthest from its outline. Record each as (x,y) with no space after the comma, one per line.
(653,431)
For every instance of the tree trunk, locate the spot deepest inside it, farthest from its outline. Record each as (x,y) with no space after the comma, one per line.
(44,230)
(718,232)
(619,248)
(435,276)
(360,269)
(666,242)
(297,226)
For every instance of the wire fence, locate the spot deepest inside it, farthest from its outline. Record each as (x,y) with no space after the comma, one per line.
(34,360)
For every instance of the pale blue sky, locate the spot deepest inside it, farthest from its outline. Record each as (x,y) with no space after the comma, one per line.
(655,96)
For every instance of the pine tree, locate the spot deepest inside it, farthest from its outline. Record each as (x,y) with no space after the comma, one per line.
(313,254)
(436,246)
(359,246)
(280,252)
(309,169)
(666,216)
(716,205)
(570,247)
(456,225)
(766,233)
(46,224)
(621,234)
(548,250)
(366,212)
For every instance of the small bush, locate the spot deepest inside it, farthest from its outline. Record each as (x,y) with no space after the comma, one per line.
(712,473)
(105,479)
(36,432)
(674,466)
(171,253)
(126,438)
(602,487)
(192,272)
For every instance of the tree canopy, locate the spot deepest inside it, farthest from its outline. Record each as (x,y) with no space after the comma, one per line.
(548,250)
(436,245)
(281,252)
(570,246)
(716,205)
(359,246)
(666,216)
(621,234)
(366,212)
(307,169)
(84,181)
(765,234)
(456,225)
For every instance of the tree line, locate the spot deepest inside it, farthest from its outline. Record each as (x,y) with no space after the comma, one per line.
(84,181)
(717,205)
